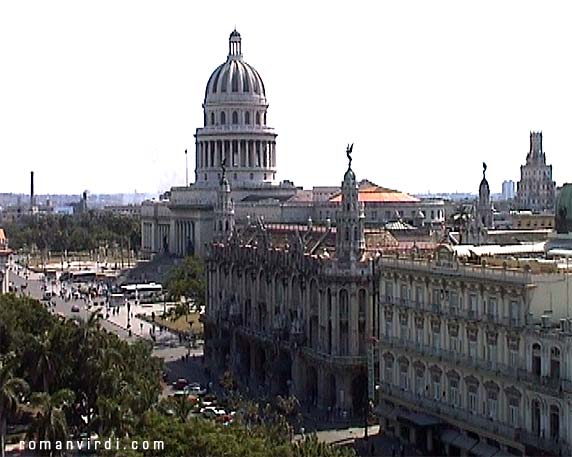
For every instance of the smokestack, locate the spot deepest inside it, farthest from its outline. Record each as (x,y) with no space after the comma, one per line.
(32,191)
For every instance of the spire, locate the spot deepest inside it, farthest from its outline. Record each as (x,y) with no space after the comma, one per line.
(350,219)
(234,45)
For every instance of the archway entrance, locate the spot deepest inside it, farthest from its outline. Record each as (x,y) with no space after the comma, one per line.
(359,394)
(312,386)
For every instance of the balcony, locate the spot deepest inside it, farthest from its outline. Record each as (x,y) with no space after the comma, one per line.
(545,384)
(342,360)
(448,412)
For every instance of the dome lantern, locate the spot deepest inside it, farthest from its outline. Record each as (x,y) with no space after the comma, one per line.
(234,45)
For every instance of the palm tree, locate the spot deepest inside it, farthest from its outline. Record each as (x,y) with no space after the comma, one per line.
(50,423)
(11,389)
(43,360)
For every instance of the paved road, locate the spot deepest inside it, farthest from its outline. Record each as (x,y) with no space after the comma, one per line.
(180,361)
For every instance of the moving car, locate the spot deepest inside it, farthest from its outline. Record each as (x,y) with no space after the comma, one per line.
(75,309)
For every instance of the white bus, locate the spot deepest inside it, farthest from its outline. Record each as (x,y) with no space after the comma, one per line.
(144,293)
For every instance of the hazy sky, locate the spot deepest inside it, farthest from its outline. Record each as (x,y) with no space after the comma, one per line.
(107,95)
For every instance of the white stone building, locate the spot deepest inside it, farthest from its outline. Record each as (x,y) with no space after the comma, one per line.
(236,132)
(472,359)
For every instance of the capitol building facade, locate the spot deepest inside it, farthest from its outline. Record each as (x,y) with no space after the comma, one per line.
(236,134)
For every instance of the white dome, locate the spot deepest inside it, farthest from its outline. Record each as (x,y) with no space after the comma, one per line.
(235,80)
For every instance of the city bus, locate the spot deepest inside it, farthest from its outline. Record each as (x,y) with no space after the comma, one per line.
(144,293)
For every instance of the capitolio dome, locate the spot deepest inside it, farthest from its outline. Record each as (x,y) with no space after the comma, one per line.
(235,79)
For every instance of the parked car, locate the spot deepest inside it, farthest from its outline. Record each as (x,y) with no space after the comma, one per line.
(212,412)
(75,309)
(180,383)
(195,390)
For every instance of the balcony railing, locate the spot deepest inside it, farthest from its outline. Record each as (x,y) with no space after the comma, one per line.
(345,360)
(454,311)
(448,411)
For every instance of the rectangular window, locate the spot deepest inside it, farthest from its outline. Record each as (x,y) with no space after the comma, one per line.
(454,343)
(388,328)
(492,354)
(403,380)
(419,336)
(389,291)
(404,294)
(493,407)
(404,332)
(472,305)
(492,307)
(419,298)
(420,385)
(454,394)
(514,312)
(513,415)
(388,373)
(472,349)
(473,402)
(437,341)
(437,390)
(513,358)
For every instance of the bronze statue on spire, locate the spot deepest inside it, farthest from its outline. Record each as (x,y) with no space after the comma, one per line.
(484,169)
(349,154)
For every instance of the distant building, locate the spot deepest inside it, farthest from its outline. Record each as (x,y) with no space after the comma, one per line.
(508,190)
(536,189)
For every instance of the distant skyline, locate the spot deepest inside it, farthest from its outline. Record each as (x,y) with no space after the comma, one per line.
(106,96)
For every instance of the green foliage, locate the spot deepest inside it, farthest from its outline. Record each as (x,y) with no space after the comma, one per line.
(112,381)
(90,381)
(188,280)
(84,232)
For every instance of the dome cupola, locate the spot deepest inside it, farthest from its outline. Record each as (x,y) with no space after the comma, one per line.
(235,126)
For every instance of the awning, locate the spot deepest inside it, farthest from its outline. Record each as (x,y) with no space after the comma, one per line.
(482,449)
(449,436)
(419,419)
(385,410)
(457,439)
(464,442)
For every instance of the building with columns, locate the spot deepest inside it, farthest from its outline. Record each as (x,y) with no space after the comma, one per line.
(536,190)
(472,357)
(290,312)
(236,132)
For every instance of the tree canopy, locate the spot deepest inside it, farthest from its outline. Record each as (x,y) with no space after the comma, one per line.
(82,232)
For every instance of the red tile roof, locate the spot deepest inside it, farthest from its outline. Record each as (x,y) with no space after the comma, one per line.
(369,192)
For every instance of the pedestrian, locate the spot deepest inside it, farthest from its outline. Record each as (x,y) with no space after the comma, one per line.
(393,450)
(372,447)
(401,451)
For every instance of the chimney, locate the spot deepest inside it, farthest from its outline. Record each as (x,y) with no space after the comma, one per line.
(32,198)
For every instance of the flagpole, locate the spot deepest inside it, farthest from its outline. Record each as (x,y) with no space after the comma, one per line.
(186,169)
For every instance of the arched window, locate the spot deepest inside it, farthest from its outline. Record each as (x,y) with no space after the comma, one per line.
(247,118)
(362,298)
(347,234)
(257,118)
(344,303)
(212,118)
(355,234)
(265,118)
(223,118)
(234,117)
(220,226)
